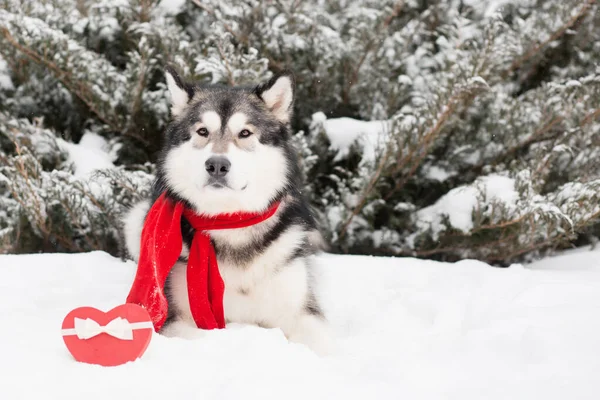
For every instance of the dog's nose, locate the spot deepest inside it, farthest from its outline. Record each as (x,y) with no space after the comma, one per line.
(217,166)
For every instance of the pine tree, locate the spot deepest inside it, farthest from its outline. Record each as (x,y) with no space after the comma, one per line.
(443,129)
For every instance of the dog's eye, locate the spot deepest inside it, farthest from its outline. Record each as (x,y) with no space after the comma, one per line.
(245,133)
(202,132)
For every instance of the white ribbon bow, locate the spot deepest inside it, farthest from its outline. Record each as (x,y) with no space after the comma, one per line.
(118,327)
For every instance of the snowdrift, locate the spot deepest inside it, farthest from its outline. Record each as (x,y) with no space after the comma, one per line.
(407,329)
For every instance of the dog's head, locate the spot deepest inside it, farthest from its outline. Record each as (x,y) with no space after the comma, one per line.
(227,148)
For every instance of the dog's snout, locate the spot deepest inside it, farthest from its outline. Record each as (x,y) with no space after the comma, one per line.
(217,166)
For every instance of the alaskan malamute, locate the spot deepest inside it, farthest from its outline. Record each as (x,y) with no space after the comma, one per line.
(228,149)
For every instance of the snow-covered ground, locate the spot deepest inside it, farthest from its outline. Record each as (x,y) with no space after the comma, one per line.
(408,329)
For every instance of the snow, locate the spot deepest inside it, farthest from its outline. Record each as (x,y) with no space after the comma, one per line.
(459,203)
(489,7)
(109,29)
(478,80)
(171,7)
(407,328)
(5,80)
(438,174)
(89,155)
(335,215)
(344,132)
(573,83)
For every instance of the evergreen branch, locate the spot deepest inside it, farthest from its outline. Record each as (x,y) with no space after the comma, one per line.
(366,192)
(6,244)
(295,5)
(536,137)
(502,255)
(41,223)
(516,64)
(137,103)
(547,242)
(424,146)
(241,39)
(354,76)
(66,75)
(230,79)
(225,25)
(98,204)
(369,47)
(145,10)
(395,12)
(590,117)
(527,249)
(543,166)
(23,171)
(499,225)
(458,248)
(75,220)
(77,88)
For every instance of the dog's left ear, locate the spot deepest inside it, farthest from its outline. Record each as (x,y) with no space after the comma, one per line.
(278,95)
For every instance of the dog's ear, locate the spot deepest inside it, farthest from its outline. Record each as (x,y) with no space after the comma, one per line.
(278,95)
(180,92)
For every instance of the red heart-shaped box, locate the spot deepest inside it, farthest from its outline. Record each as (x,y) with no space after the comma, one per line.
(104,348)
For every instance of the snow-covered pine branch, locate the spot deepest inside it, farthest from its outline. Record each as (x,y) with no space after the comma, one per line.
(436,129)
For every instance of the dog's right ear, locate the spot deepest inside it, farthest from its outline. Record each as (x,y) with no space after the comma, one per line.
(180,92)
(278,95)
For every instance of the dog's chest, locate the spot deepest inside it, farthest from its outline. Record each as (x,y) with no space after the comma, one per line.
(257,288)
(244,279)
(264,292)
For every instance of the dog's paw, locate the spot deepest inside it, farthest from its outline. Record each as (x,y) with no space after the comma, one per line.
(182,329)
(315,333)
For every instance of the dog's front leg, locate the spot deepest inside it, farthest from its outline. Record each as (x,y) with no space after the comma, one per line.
(314,332)
(182,329)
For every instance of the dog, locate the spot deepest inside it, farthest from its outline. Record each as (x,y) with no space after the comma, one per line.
(228,149)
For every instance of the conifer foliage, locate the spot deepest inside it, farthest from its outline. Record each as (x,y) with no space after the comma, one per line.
(441,129)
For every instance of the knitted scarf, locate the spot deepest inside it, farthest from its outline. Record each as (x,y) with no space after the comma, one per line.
(161,245)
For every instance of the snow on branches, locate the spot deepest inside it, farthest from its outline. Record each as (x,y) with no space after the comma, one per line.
(433,129)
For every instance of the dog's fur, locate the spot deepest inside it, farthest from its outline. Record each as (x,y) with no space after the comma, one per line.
(266,267)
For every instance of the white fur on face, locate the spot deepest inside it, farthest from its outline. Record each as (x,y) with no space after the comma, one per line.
(237,122)
(254,178)
(179,97)
(211,120)
(279,97)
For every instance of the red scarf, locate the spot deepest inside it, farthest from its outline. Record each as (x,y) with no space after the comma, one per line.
(161,245)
